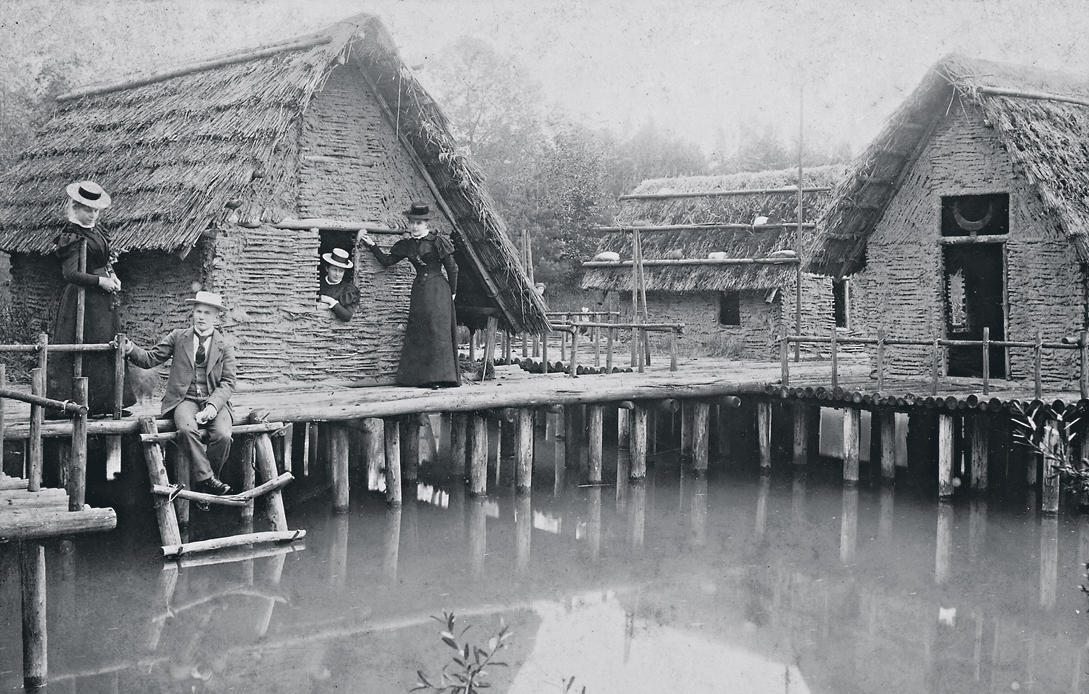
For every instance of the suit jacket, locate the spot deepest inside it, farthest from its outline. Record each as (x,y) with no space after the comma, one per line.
(179,344)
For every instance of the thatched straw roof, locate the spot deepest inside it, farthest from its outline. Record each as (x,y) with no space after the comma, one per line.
(704,207)
(176,150)
(1046,136)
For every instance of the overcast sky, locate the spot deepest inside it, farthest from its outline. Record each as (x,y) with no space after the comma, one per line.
(697,67)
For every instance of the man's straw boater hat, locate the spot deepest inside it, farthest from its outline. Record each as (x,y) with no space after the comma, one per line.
(208,299)
(338,257)
(418,211)
(88,193)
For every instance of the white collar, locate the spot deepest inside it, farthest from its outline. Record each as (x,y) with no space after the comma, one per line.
(200,334)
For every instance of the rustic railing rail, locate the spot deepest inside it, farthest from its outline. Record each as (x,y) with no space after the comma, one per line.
(75,473)
(640,330)
(939,350)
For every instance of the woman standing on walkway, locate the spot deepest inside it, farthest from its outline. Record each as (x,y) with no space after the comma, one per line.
(429,356)
(101,320)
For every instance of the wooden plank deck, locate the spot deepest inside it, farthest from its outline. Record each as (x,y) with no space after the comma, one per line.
(27,515)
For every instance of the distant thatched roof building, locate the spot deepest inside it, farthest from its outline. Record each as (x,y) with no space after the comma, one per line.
(215,156)
(1047,139)
(699,200)
(728,310)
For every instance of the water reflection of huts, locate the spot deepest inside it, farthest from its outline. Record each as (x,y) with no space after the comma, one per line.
(728,310)
(236,173)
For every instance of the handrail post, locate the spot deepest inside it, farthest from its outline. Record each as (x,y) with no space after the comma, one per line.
(118,375)
(673,349)
(880,359)
(43,355)
(574,352)
(642,357)
(784,357)
(563,338)
(610,336)
(3,384)
(597,345)
(1083,380)
(1037,352)
(77,461)
(34,456)
(986,359)
(81,312)
(544,351)
(835,359)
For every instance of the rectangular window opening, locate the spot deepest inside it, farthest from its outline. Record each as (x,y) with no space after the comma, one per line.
(841,295)
(729,308)
(335,244)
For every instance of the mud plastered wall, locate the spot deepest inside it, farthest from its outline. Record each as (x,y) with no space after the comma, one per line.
(900,287)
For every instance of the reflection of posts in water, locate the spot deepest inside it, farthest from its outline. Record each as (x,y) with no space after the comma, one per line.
(32,582)
(572,434)
(338,552)
(697,510)
(637,515)
(559,469)
(391,543)
(977,527)
(943,543)
(523,531)
(848,526)
(623,471)
(1049,560)
(69,579)
(797,496)
(886,511)
(763,490)
(168,584)
(593,522)
(374,450)
(478,535)
(410,513)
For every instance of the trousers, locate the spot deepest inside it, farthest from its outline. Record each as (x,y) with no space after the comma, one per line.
(203,463)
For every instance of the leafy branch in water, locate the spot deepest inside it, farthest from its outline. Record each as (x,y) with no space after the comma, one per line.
(1053,435)
(466,672)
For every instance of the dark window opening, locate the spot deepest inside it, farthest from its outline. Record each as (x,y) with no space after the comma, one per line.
(330,240)
(975,215)
(729,308)
(840,297)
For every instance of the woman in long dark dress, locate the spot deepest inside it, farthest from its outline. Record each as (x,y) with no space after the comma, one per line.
(101,320)
(429,356)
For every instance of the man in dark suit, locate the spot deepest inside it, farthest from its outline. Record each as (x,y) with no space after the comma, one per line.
(198,391)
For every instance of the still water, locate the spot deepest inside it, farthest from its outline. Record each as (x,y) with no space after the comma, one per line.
(735,583)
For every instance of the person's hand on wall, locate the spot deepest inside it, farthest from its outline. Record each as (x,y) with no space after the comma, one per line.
(366,240)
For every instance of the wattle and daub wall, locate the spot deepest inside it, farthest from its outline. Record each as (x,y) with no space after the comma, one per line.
(900,288)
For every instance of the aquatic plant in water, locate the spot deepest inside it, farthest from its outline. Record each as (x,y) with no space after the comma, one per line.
(466,672)
(1052,435)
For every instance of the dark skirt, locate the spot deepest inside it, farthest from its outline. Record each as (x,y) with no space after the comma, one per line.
(101,323)
(429,355)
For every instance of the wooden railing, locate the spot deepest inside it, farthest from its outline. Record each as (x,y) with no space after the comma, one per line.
(76,470)
(938,347)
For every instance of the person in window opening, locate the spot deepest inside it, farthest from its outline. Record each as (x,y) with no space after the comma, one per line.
(429,355)
(198,390)
(336,293)
(101,315)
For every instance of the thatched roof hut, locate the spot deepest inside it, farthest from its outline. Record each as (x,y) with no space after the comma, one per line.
(698,200)
(215,156)
(732,310)
(969,213)
(1040,117)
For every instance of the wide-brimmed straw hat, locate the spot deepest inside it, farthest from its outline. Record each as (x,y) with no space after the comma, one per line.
(338,257)
(208,299)
(418,210)
(88,193)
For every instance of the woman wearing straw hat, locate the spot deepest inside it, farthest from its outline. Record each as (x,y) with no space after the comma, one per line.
(101,320)
(337,292)
(429,355)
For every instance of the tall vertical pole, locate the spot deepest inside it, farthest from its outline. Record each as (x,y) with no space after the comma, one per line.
(798,233)
(644,317)
(634,302)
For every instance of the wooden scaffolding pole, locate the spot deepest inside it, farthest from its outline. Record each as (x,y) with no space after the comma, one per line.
(798,232)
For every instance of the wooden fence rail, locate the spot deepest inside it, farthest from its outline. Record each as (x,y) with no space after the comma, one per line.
(939,352)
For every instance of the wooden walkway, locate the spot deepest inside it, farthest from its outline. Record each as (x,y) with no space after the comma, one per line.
(27,515)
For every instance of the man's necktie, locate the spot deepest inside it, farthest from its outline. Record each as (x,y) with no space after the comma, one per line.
(201,355)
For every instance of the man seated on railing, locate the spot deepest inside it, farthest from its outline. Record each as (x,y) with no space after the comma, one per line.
(198,391)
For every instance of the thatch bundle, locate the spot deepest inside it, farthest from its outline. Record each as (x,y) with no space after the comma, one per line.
(174,152)
(1041,118)
(704,207)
